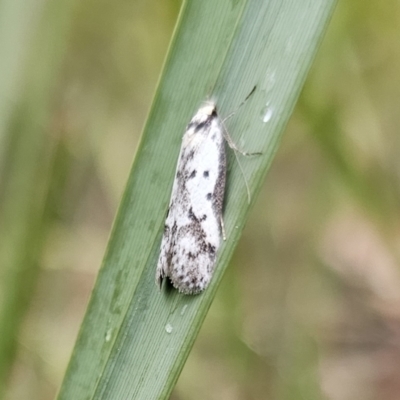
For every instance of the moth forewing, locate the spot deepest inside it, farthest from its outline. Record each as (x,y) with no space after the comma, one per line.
(194,224)
(192,232)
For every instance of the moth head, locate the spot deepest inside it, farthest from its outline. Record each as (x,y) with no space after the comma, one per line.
(202,119)
(209,109)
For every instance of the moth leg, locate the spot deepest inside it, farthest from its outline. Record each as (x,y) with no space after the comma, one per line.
(233,145)
(162,269)
(236,150)
(221,220)
(226,135)
(160,275)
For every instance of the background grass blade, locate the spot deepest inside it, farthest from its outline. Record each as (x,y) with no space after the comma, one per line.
(134,340)
(29,164)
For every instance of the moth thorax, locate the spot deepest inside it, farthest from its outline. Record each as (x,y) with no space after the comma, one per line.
(208,110)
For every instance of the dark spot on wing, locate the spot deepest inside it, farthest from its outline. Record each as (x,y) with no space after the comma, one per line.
(200,126)
(193,174)
(211,248)
(191,214)
(206,174)
(209,196)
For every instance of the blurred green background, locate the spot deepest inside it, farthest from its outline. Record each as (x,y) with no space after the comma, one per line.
(310,306)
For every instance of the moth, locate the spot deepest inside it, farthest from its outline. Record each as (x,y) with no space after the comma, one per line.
(194,225)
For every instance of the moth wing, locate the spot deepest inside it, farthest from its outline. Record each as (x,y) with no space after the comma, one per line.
(192,228)
(167,245)
(198,236)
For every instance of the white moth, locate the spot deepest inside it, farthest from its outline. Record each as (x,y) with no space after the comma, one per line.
(194,224)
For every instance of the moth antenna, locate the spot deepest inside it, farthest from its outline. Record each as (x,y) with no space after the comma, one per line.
(232,144)
(240,105)
(234,147)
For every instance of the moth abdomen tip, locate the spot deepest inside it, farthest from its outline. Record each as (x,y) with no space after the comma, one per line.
(191,286)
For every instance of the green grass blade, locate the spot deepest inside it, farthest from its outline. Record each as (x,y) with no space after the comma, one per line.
(134,340)
(28,166)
